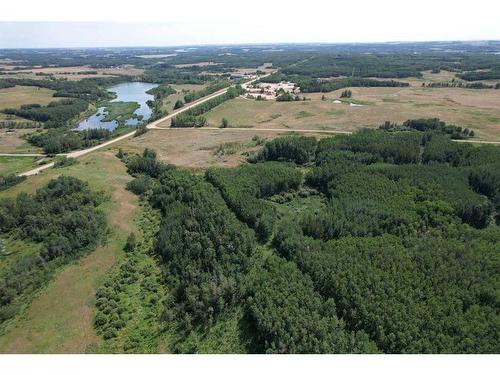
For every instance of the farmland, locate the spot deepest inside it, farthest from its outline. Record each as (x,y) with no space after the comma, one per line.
(474,109)
(14,164)
(14,97)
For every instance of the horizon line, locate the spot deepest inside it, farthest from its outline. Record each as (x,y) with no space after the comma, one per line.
(264,44)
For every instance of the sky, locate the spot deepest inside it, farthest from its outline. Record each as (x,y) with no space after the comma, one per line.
(111,23)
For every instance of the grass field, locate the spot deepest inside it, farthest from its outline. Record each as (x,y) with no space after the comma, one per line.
(200,149)
(475,109)
(48,325)
(12,142)
(14,97)
(16,164)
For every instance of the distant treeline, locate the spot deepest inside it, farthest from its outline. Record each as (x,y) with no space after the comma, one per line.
(481,75)
(474,85)
(391,65)
(19,125)
(210,89)
(55,115)
(308,84)
(166,74)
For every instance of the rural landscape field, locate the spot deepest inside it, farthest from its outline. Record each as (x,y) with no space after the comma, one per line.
(274,198)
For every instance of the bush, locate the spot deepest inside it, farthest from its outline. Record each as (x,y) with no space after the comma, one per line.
(65,162)
(10,180)
(131,243)
(296,149)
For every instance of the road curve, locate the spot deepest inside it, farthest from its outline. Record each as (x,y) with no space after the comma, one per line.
(37,170)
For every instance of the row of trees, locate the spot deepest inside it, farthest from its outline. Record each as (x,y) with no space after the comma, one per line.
(210,89)
(192,117)
(56,114)
(481,74)
(56,141)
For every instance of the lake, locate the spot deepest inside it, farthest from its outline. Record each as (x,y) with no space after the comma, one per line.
(125,92)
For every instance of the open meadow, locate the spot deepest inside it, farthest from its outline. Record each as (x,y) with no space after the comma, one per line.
(14,97)
(16,164)
(475,109)
(201,149)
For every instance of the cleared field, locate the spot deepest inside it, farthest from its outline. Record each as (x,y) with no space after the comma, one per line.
(49,326)
(12,141)
(200,149)
(14,97)
(476,109)
(16,164)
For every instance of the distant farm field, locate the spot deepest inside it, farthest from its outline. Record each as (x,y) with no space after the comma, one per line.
(14,97)
(73,73)
(475,109)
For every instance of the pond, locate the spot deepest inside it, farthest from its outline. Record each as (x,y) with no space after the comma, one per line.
(125,92)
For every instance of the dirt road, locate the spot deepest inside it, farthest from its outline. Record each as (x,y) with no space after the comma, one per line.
(256,130)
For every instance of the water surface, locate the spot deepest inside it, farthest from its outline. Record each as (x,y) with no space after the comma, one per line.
(125,92)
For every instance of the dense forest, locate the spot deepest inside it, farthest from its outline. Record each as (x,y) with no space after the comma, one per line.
(63,222)
(383,241)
